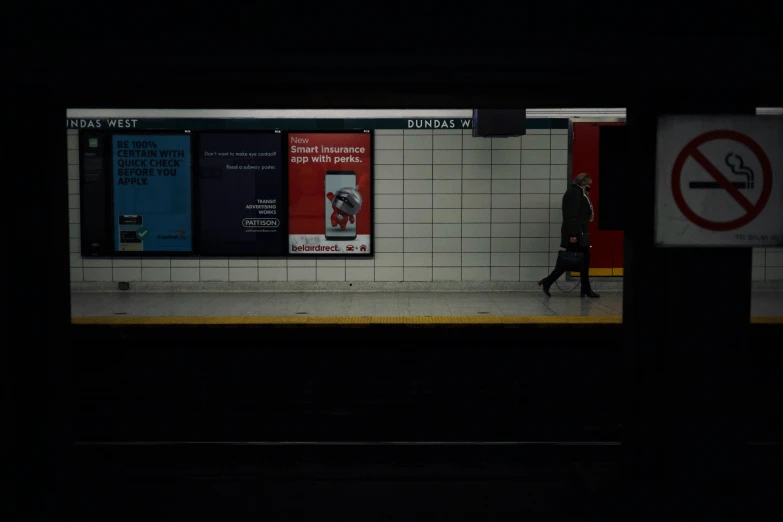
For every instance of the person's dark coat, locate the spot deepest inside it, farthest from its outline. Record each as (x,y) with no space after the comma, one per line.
(576,216)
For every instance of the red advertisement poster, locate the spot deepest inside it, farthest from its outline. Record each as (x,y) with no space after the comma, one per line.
(330,193)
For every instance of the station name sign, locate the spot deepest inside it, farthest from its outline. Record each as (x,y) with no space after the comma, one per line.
(293,124)
(146,123)
(102,124)
(440,124)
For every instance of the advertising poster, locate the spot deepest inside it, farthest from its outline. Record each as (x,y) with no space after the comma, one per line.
(152,193)
(97,236)
(330,193)
(241,194)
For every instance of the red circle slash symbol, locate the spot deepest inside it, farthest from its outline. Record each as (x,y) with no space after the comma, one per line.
(692,150)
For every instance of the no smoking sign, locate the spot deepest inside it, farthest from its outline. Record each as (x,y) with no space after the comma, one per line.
(719,181)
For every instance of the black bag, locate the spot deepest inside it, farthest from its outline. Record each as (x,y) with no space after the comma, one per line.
(570,260)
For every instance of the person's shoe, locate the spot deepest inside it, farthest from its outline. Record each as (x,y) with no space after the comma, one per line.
(589,293)
(546,287)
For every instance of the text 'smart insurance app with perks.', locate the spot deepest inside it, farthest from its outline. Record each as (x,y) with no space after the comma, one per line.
(330,193)
(151,176)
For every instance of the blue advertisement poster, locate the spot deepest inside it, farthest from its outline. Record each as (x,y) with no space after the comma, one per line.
(151,180)
(241,194)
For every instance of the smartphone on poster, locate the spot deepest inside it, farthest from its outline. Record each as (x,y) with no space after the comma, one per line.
(342,204)
(132,233)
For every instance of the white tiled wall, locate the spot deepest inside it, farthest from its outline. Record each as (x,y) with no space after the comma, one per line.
(768,264)
(448,207)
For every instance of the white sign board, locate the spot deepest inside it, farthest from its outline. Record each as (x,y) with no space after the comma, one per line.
(719,181)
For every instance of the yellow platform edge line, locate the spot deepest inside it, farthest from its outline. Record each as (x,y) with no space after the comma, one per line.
(766,320)
(291,320)
(601,272)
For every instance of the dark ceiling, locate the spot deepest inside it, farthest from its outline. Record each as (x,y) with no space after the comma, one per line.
(438,64)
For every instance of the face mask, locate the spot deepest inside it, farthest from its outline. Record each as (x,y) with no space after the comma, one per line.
(587,190)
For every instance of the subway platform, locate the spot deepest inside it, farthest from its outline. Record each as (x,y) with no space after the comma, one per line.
(526,307)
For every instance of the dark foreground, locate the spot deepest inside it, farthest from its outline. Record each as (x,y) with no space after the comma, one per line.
(378,423)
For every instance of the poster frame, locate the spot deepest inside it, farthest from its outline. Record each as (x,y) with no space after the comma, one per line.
(196,148)
(108,231)
(308,255)
(110,194)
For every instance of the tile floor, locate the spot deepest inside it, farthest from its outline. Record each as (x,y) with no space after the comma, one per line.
(365,304)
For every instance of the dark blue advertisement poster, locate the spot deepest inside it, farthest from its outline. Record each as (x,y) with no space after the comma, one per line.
(241,194)
(152,193)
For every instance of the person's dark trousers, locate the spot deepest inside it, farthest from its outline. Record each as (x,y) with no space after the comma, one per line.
(584,273)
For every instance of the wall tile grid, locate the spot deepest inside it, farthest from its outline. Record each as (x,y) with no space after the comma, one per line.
(448,207)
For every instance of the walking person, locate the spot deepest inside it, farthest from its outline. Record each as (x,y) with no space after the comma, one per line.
(574,236)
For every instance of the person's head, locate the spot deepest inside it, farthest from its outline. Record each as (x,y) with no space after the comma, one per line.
(583,181)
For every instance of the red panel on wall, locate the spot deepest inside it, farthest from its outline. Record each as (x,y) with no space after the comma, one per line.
(607,251)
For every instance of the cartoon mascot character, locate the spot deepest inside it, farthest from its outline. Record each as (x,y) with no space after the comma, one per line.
(346,203)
